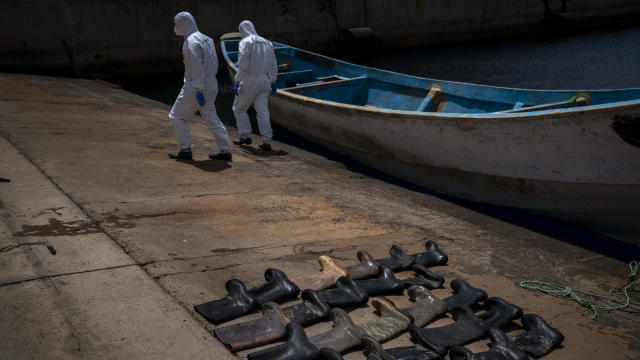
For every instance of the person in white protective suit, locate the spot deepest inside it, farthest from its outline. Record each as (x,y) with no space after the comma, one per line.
(199,90)
(256,77)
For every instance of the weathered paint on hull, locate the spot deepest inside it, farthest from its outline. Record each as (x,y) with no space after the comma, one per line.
(568,165)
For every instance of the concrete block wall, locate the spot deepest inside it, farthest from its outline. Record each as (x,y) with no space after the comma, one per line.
(107,37)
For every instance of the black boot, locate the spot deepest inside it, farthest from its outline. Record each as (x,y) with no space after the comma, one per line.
(367,267)
(540,337)
(297,347)
(242,140)
(184,154)
(222,155)
(432,257)
(465,294)
(501,348)
(466,328)
(374,351)
(499,313)
(398,259)
(386,283)
(257,332)
(425,307)
(277,288)
(344,334)
(238,302)
(426,278)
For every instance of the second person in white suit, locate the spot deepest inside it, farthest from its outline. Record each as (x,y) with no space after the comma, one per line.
(255,79)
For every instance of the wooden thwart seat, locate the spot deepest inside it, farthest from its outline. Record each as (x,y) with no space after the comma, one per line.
(322,82)
(429,101)
(574,101)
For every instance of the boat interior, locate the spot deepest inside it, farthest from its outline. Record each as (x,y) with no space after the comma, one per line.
(316,76)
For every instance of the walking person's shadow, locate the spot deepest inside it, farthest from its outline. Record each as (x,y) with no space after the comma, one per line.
(208,165)
(260,152)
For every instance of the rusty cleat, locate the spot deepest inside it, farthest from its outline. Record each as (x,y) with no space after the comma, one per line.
(425,307)
(327,277)
(255,332)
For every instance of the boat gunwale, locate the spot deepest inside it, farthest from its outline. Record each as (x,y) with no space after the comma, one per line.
(540,113)
(371,109)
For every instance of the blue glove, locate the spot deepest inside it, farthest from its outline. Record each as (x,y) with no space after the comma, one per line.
(236,88)
(200,98)
(274,88)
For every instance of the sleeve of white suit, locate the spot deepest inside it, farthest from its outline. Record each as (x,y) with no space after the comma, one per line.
(244,61)
(273,69)
(195,61)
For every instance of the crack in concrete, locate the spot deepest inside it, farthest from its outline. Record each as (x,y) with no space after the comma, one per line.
(63,274)
(161,276)
(198,195)
(13,247)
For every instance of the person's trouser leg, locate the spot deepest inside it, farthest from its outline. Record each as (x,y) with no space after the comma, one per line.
(261,105)
(182,109)
(241,104)
(214,124)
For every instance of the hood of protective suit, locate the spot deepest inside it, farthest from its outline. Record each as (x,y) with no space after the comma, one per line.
(246,29)
(185,24)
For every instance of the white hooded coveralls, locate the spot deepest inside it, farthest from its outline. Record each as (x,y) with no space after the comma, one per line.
(200,68)
(257,69)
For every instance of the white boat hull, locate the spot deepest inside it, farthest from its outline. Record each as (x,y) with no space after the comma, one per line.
(569,165)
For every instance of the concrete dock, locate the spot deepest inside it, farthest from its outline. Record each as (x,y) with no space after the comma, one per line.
(140,239)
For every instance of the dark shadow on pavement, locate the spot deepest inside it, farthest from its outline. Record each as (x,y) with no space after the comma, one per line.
(208,165)
(260,152)
(4,180)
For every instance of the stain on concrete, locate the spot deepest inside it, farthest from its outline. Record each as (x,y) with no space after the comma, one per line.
(55,210)
(125,221)
(56,227)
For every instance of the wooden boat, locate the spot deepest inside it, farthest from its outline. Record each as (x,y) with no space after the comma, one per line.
(570,155)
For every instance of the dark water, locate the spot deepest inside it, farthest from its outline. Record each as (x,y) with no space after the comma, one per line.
(605,59)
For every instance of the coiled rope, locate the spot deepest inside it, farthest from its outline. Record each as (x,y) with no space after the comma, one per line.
(619,299)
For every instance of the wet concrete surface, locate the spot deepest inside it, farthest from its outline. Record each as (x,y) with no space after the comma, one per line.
(193,225)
